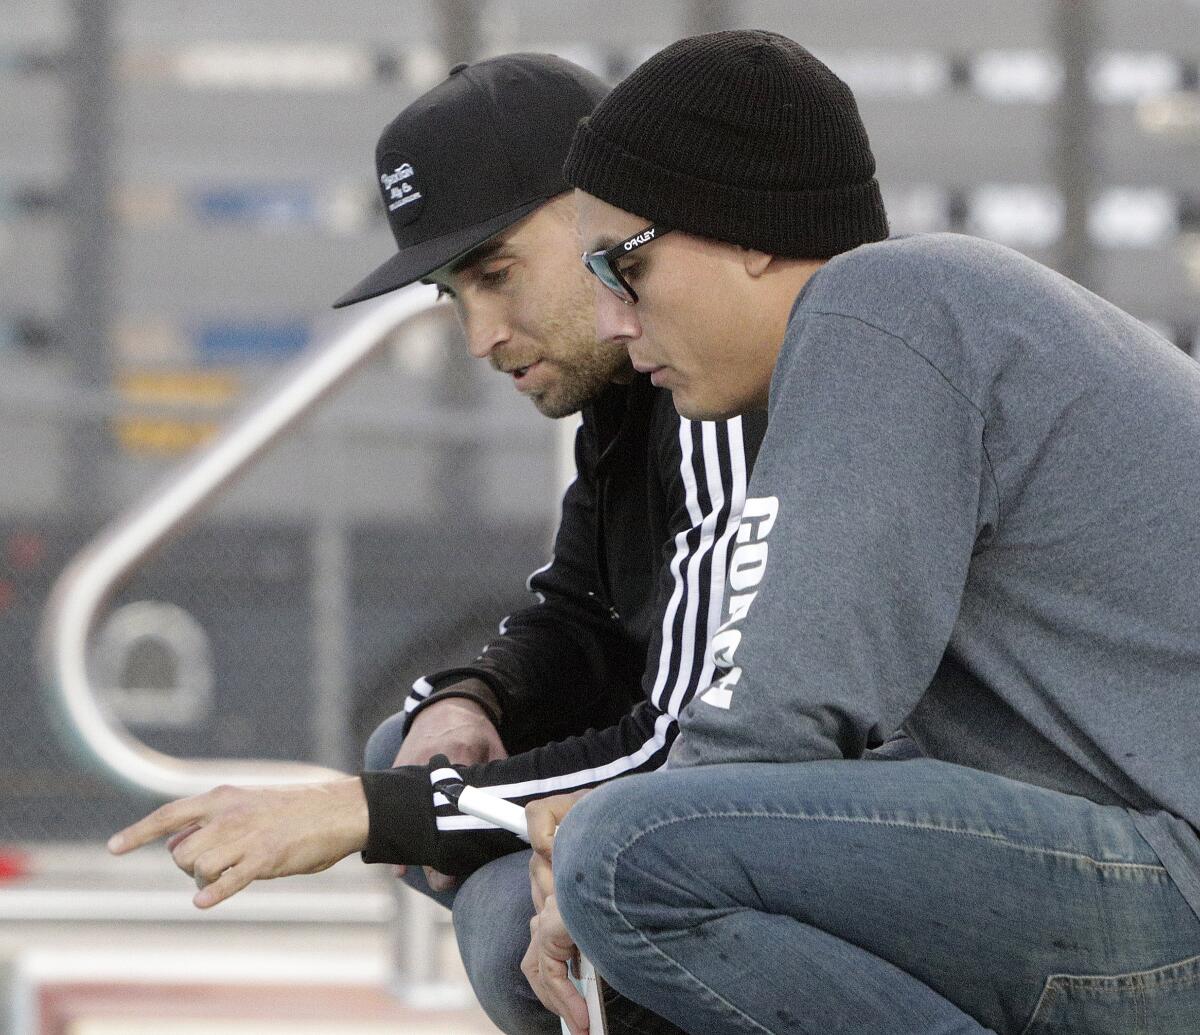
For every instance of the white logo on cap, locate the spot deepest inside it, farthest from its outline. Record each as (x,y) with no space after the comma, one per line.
(398,190)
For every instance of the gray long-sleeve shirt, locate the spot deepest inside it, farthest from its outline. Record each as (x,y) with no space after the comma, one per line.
(976,513)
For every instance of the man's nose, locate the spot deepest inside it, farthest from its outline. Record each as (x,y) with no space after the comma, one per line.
(485,327)
(615,321)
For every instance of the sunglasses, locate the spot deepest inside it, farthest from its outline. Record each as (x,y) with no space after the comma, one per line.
(602,262)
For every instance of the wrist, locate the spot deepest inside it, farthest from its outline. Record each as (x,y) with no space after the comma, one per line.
(472,690)
(453,705)
(480,693)
(353,813)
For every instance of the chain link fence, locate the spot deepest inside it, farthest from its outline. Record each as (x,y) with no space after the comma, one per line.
(290,619)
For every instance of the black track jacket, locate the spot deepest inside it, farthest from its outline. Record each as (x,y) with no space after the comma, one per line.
(618,637)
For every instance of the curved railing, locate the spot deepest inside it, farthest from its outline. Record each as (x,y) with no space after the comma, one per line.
(87,584)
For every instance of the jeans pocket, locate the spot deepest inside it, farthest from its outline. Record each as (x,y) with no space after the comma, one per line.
(1162,1001)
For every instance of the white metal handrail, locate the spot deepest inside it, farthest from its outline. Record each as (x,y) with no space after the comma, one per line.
(98,570)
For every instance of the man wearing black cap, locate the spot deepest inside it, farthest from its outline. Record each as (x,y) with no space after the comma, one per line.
(471,178)
(975,515)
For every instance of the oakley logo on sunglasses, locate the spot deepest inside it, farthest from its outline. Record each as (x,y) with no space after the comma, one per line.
(602,262)
(639,240)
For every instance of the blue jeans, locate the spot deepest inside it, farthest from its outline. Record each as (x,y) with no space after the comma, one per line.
(876,897)
(492,909)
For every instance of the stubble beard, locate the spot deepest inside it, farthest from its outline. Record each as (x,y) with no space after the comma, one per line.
(581,379)
(585,366)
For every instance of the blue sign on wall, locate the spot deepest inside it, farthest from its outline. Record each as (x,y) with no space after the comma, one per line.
(252,342)
(279,206)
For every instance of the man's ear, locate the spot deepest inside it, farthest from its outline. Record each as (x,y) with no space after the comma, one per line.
(756,263)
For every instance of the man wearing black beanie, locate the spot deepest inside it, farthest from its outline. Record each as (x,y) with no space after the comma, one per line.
(973,516)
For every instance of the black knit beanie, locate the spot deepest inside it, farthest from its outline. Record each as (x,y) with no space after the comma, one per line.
(742,136)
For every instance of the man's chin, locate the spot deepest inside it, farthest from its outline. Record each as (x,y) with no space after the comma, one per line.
(574,389)
(556,408)
(696,409)
(565,397)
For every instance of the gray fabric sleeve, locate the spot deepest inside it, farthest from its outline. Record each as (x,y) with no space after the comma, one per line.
(869,493)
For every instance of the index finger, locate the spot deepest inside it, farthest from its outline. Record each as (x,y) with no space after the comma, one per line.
(175,815)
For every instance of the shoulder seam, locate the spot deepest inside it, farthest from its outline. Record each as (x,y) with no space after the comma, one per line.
(942,374)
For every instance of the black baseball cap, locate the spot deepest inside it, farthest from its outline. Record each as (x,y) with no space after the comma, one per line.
(478,152)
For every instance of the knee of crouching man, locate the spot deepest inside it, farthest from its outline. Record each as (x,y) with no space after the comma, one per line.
(383,745)
(584,852)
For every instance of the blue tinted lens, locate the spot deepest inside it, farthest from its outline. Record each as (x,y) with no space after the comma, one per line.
(599,265)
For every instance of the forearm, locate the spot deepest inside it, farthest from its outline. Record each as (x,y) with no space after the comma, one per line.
(403,826)
(410,824)
(231,836)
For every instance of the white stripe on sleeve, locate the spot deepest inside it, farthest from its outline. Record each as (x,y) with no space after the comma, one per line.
(689,652)
(663,729)
(681,551)
(718,573)
(421,689)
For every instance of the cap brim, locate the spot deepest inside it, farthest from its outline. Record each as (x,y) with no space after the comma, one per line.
(420,260)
